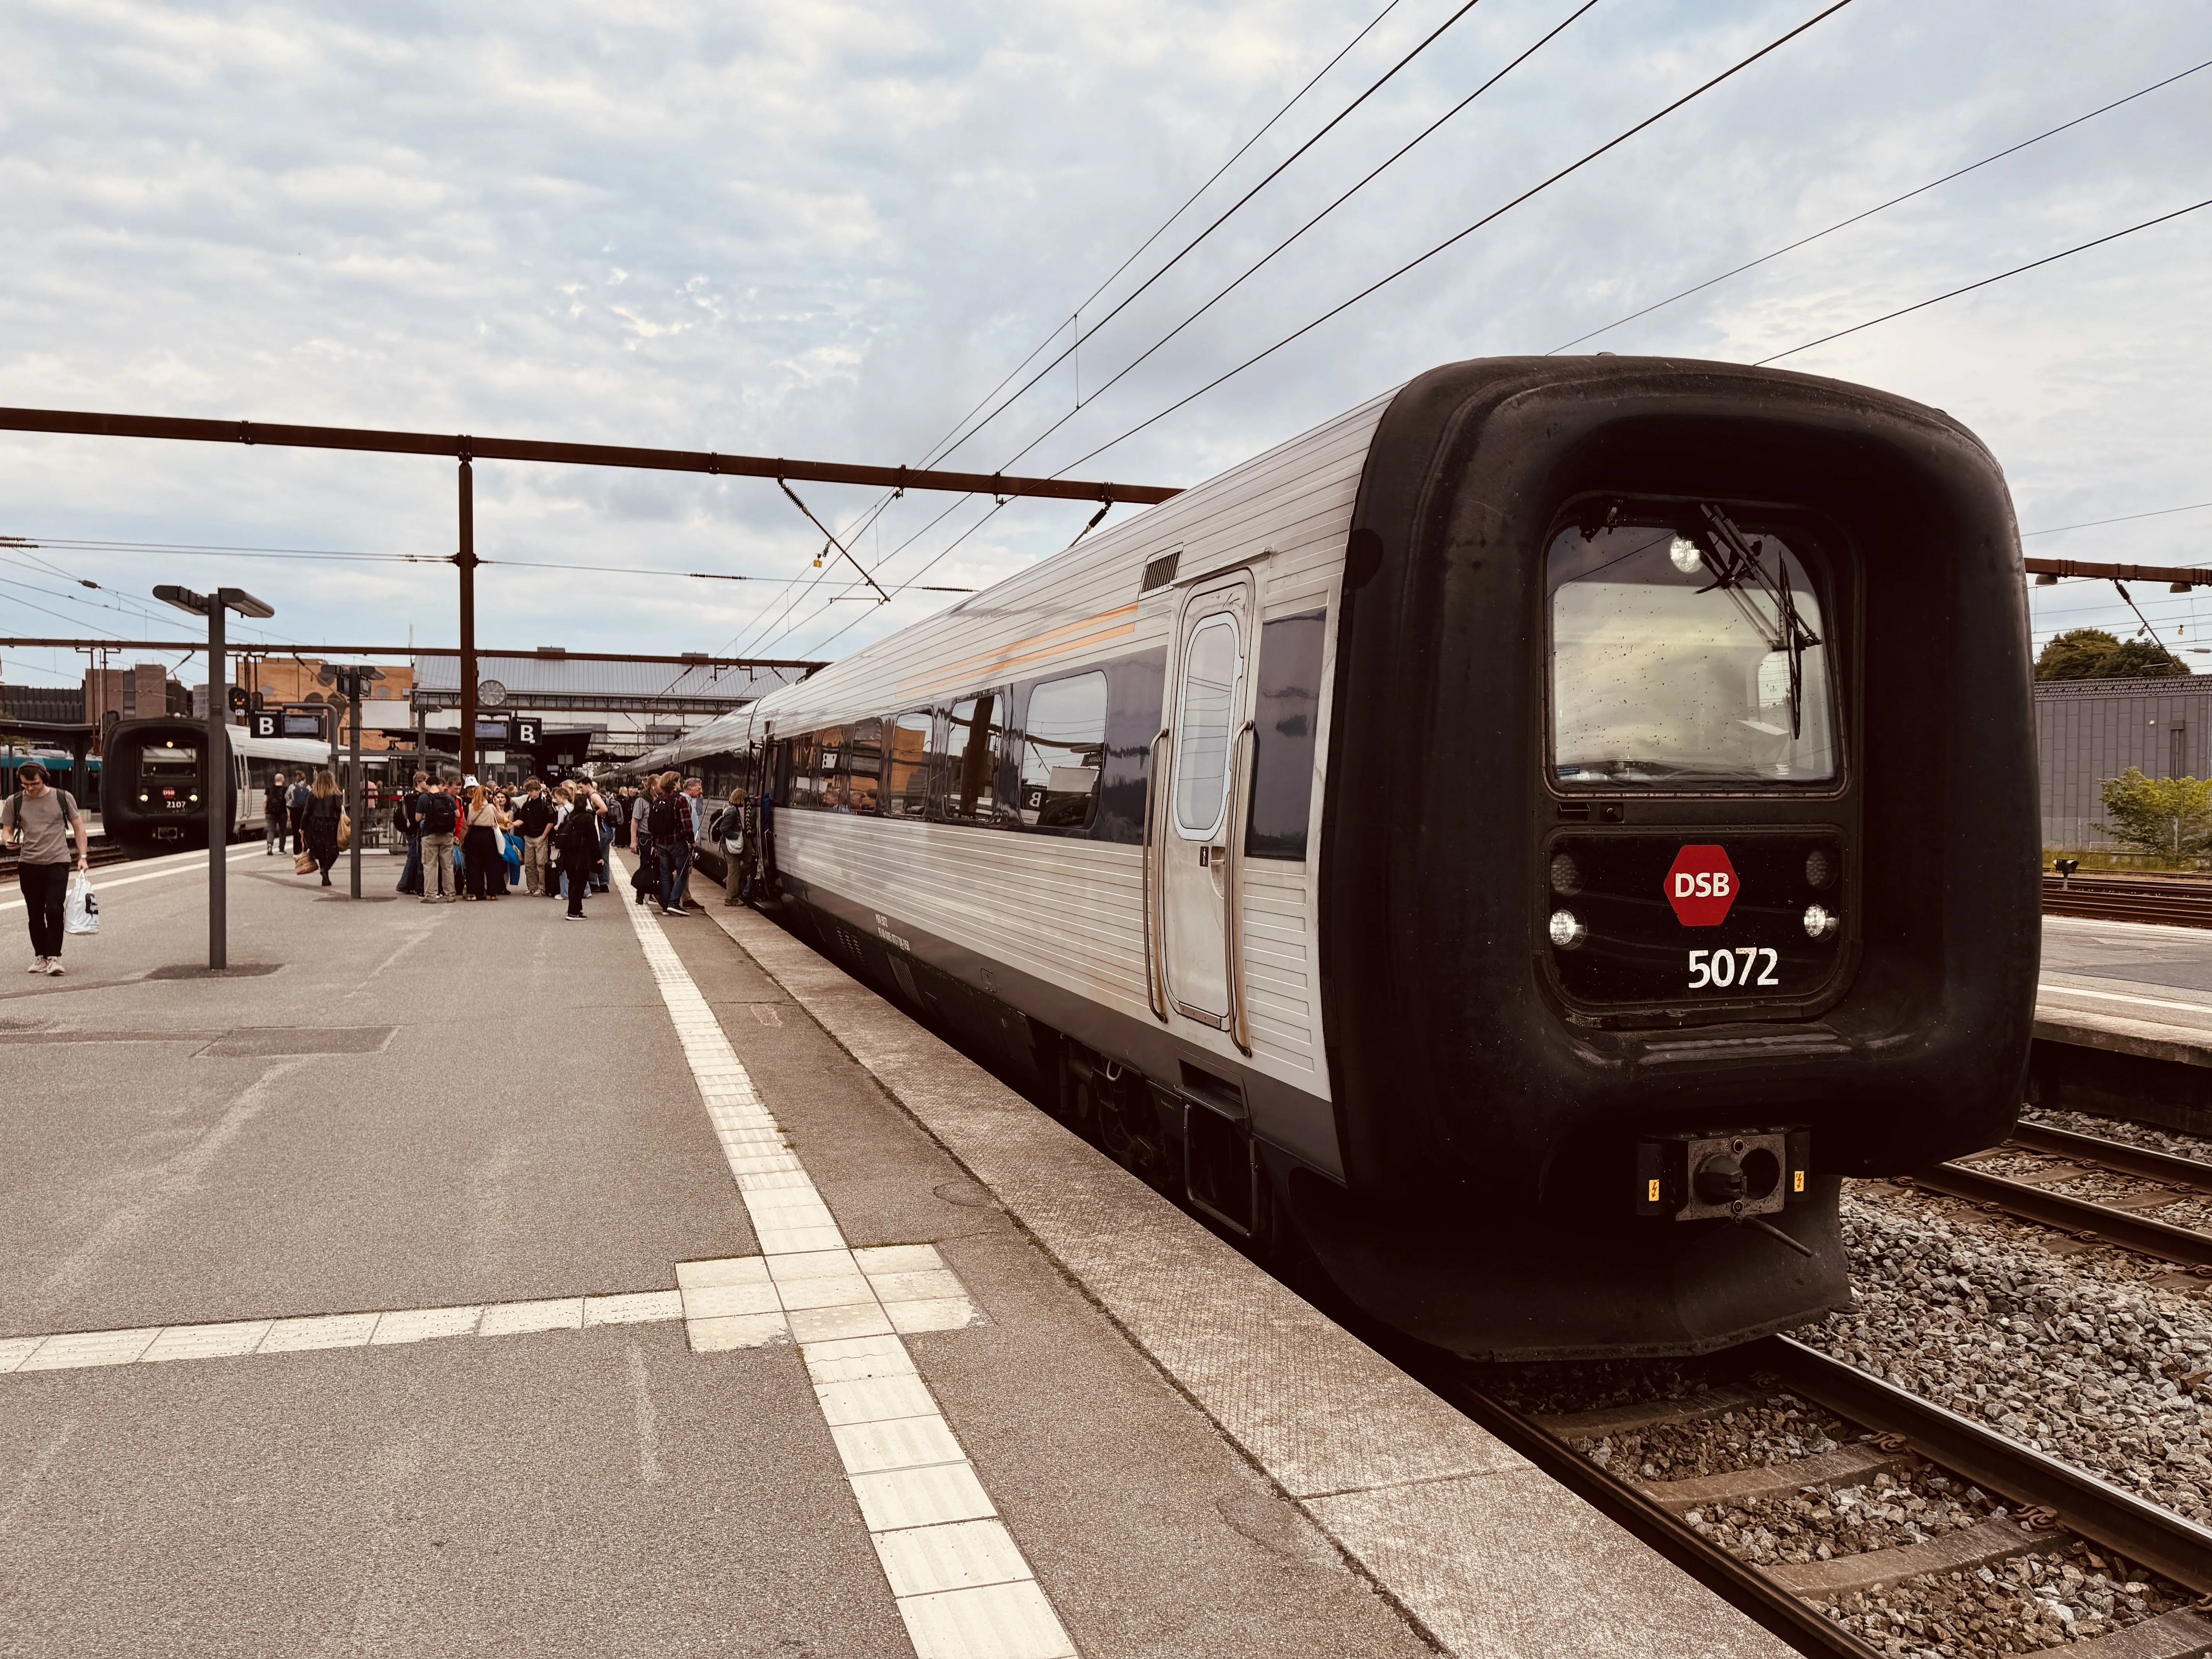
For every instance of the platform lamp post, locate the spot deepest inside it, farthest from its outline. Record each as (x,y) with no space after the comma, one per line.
(350,677)
(217,770)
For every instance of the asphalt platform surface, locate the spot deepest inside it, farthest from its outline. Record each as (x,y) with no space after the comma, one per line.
(387,1107)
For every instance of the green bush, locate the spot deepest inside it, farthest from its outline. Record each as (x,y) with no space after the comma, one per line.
(2170,818)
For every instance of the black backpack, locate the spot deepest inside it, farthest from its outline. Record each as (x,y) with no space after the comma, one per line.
(577,834)
(661,822)
(439,815)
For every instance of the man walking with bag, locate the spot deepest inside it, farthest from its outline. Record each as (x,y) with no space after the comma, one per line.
(36,821)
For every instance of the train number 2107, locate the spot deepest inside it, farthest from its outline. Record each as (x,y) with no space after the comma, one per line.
(1709,967)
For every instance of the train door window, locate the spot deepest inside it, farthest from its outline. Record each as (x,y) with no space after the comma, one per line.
(968,785)
(1286,722)
(1063,750)
(907,765)
(1687,652)
(1212,669)
(864,766)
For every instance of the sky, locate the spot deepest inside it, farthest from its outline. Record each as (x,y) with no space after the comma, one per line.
(828,231)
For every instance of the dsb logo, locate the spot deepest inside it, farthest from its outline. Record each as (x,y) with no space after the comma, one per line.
(1702,887)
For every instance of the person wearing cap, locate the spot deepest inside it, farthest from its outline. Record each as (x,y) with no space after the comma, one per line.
(36,822)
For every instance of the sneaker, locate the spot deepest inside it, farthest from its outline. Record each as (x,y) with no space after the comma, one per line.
(38,965)
(54,967)
(427,899)
(570,915)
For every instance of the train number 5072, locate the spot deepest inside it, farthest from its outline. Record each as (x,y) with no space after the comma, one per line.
(1711,968)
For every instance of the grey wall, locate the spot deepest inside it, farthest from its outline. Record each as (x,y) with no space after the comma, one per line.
(2086,730)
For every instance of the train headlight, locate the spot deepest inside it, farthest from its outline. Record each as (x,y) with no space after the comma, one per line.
(1567,931)
(142,794)
(1684,552)
(1818,869)
(1819,921)
(192,797)
(1565,878)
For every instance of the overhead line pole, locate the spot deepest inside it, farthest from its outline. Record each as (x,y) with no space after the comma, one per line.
(96,425)
(465,560)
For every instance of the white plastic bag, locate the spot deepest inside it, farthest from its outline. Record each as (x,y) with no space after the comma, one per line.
(80,913)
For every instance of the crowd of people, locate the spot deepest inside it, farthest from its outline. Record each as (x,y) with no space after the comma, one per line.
(470,841)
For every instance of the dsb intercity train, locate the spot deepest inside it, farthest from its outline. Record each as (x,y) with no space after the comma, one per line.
(1515,848)
(155,781)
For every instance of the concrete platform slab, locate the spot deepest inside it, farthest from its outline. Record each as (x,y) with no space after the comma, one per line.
(1486,1554)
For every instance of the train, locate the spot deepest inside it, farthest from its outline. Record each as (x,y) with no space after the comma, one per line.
(1512,850)
(61,771)
(155,781)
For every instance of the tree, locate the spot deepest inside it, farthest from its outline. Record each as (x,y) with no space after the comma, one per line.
(2169,816)
(2091,653)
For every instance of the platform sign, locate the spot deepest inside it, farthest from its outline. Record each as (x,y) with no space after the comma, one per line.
(1702,885)
(529,731)
(264,722)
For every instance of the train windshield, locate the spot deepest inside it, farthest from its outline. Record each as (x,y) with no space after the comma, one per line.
(1686,654)
(169,763)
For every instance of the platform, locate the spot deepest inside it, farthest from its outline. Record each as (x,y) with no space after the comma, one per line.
(2124,1021)
(456,1278)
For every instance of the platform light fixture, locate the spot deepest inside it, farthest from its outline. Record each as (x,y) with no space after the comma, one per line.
(217,607)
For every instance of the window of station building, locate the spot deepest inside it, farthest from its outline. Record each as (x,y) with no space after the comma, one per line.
(864,768)
(1286,724)
(1688,652)
(968,778)
(1063,751)
(907,765)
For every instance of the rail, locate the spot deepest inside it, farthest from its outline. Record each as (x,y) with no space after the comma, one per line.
(2051,1499)
(2146,899)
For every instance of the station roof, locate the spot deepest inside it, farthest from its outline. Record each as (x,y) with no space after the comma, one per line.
(540,675)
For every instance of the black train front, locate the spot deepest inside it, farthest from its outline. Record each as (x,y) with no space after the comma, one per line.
(1679,854)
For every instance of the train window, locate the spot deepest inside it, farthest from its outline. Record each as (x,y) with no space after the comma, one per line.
(1210,672)
(805,787)
(827,785)
(1286,723)
(1687,653)
(1063,747)
(968,785)
(906,793)
(864,770)
(169,763)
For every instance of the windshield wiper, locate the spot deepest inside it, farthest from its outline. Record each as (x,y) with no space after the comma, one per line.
(1735,564)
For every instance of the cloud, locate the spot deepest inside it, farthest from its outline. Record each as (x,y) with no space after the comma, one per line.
(828,230)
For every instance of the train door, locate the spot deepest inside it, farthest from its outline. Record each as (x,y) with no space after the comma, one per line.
(1197,839)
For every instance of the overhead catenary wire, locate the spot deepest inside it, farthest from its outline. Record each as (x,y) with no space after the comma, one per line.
(2033,264)
(1883,207)
(1221,219)
(1252,270)
(1459,236)
(874,513)
(2125,518)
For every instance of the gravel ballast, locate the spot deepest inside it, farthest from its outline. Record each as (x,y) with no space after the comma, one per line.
(2077,1355)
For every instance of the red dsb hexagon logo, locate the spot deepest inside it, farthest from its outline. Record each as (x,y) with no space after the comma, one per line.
(1701,885)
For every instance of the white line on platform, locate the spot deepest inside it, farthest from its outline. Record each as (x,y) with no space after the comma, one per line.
(195,865)
(2118,996)
(235,1339)
(961,1583)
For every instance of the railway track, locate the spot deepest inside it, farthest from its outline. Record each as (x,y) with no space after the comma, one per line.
(102,854)
(2173,904)
(2131,1182)
(2039,1523)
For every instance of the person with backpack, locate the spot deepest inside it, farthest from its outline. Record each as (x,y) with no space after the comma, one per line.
(276,814)
(669,822)
(576,840)
(406,820)
(296,802)
(36,821)
(439,815)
